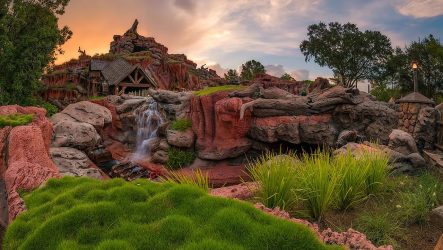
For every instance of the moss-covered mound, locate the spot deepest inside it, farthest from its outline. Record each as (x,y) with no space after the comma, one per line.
(15,120)
(216,89)
(76,213)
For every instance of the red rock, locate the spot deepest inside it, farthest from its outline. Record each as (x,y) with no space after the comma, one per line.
(216,122)
(241,191)
(439,245)
(4,132)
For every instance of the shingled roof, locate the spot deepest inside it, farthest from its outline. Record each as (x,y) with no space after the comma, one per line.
(415,97)
(117,70)
(98,65)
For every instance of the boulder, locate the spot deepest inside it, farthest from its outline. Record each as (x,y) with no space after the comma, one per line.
(181,139)
(318,130)
(402,142)
(60,117)
(75,134)
(416,160)
(425,131)
(270,130)
(437,216)
(439,245)
(129,105)
(160,157)
(88,112)
(346,136)
(73,162)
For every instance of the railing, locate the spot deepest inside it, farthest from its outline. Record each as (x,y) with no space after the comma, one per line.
(142,92)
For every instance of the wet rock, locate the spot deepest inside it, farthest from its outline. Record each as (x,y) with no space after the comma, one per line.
(75,134)
(181,139)
(402,142)
(130,105)
(160,157)
(73,162)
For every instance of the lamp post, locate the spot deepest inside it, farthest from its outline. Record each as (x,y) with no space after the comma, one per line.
(414,65)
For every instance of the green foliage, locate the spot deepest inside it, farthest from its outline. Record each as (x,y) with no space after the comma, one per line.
(232,76)
(197,179)
(287,77)
(212,90)
(51,109)
(379,228)
(80,213)
(97,98)
(415,205)
(250,69)
(382,93)
(181,124)
(178,158)
(29,38)
(352,55)
(277,177)
(15,120)
(376,164)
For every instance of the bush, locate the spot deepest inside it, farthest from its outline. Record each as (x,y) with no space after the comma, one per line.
(80,213)
(178,158)
(415,205)
(51,109)
(15,120)
(213,90)
(181,124)
(317,183)
(379,228)
(196,179)
(276,175)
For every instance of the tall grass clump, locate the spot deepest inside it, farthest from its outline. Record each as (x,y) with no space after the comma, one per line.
(351,187)
(277,177)
(316,183)
(376,164)
(380,228)
(178,158)
(196,179)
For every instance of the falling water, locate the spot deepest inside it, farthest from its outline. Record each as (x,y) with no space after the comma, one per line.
(148,122)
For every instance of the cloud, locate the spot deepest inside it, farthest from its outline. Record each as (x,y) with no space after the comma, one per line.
(187,5)
(300,74)
(219,69)
(421,8)
(275,70)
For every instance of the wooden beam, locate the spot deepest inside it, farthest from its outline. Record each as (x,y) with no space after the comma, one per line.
(132,79)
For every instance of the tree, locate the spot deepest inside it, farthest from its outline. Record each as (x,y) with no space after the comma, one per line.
(30,39)
(250,69)
(232,76)
(287,77)
(352,55)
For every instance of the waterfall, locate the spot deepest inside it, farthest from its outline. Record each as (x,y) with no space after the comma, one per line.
(148,122)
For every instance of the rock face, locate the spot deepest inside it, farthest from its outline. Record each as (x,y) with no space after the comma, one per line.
(25,162)
(220,132)
(73,162)
(88,112)
(75,134)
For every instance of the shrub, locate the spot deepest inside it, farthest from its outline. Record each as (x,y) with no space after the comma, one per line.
(213,90)
(317,183)
(80,213)
(379,228)
(51,109)
(15,120)
(178,158)
(351,188)
(276,175)
(415,205)
(196,179)
(181,124)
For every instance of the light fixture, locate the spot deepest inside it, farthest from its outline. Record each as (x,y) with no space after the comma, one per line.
(414,65)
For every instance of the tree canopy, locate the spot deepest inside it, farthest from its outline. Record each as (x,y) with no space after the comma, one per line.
(250,69)
(352,55)
(232,76)
(287,77)
(29,38)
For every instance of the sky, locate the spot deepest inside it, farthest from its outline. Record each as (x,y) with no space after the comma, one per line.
(224,34)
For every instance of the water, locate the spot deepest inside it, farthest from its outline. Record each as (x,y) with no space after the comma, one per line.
(148,122)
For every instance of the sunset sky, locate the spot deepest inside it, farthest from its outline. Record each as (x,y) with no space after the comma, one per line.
(227,33)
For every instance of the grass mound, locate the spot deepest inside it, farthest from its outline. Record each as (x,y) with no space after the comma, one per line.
(15,120)
(79,213)
(213,90)
(181,124)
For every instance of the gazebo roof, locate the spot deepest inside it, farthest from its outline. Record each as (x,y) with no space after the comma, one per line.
(416,97)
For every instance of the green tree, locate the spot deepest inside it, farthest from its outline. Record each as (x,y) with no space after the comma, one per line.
(250,69)
(232,76)
(352,55)
(30,39)
(287,77)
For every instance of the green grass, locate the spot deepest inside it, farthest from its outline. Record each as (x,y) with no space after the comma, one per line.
(181,124)
(51,109)
(380,228)
(15,120)
(197,179)
(277,177)
(178,158)
(79,213)
(213,90)
(96,98)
